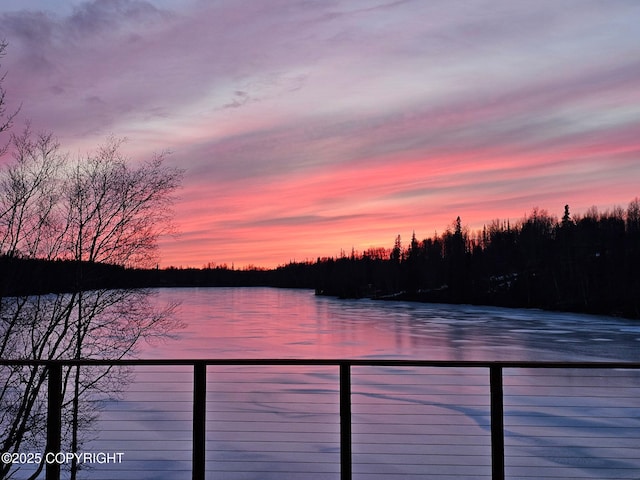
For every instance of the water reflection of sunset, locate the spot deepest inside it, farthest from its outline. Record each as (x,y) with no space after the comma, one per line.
(281,323)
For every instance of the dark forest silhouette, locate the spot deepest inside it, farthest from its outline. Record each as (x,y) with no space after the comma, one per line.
(588,263)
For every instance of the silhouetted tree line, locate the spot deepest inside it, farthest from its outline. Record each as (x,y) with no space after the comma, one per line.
(20,276)
(588,263)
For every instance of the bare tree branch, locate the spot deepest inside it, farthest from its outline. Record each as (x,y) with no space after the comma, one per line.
(97,208)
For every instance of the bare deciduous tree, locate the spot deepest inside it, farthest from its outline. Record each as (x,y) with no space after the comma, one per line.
(97,208)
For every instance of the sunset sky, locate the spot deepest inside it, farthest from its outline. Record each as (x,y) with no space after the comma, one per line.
(310,126)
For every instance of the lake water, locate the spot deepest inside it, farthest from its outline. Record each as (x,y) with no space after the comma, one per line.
(282,423)
(281,323)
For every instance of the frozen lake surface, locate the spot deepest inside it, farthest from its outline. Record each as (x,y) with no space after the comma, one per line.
(281,323)
(268,422)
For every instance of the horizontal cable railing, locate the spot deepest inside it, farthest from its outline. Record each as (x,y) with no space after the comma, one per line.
(565,423)
(341,419)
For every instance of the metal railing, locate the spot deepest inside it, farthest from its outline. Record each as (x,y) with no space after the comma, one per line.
(494,370)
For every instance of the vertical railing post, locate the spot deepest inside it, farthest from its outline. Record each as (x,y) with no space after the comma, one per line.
(497,423)
(54,417)
(199,419)
(345,421)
